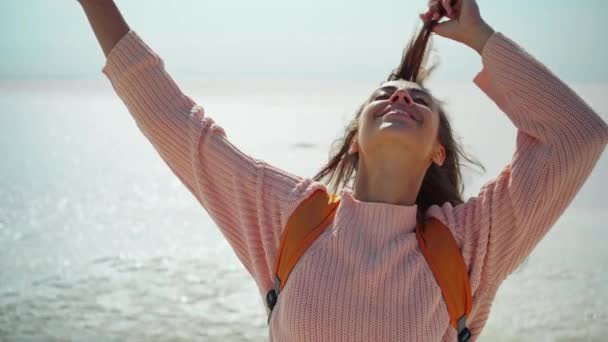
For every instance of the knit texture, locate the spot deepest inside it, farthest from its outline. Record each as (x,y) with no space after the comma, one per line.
(364,278)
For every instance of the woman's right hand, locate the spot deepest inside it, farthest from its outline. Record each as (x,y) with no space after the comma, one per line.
(465,24)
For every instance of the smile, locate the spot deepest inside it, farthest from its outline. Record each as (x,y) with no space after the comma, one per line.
(400,115)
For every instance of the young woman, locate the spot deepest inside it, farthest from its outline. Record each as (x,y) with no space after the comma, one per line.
(364,278)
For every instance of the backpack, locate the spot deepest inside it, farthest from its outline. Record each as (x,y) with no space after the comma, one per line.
(435,241)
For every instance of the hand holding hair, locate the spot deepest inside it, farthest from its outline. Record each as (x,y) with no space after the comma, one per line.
(465,24)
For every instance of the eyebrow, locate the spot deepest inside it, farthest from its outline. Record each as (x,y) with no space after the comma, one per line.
(411,90)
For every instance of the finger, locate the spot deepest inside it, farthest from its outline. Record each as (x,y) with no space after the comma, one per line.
(423,17)
(447,5)
(457,5)
(434,6)
(426,16)
(433,3)
(430,15)
(447,29)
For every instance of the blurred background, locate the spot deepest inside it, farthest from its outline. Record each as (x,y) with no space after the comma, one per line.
(99,241)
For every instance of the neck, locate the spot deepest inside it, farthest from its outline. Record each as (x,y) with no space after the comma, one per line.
(389,182)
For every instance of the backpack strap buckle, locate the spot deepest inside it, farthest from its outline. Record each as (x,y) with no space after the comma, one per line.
(464,334)
(272,296)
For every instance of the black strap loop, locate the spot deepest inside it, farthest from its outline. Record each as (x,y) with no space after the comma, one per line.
(464,334)
(272,297)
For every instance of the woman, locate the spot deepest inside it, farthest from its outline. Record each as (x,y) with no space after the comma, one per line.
(364,278)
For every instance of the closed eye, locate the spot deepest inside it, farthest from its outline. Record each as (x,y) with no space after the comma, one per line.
(418,99)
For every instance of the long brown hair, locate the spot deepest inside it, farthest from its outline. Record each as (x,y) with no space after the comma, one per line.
(441,183)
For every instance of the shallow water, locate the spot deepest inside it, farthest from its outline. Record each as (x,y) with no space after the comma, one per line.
(100,242)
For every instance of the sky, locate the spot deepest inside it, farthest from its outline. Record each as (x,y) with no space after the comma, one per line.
(312,39)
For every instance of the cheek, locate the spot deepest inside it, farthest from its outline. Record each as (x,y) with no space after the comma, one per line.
(433,131)
(366,120)
(435,125)
(430,127)
(427,134)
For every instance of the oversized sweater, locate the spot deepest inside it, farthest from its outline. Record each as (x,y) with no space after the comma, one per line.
(364,278)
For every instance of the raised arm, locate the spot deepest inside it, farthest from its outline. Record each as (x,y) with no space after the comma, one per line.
(559,140)
(248,199)
(108,24)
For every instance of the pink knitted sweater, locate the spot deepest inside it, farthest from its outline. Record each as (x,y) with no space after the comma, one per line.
(365,279)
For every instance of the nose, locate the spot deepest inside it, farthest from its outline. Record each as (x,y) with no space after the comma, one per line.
(401,95)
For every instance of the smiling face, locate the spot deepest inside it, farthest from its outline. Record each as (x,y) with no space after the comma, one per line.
(399,117)
(400,147)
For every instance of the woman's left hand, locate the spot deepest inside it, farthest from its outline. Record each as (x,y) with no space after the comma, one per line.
(465,24)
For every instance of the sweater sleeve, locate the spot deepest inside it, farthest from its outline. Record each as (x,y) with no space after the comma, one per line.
(247,198)
(559,140)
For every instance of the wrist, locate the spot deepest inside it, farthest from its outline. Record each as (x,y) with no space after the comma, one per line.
(479,37)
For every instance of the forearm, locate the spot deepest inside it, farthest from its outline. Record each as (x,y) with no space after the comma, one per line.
(108,24)
(536,100)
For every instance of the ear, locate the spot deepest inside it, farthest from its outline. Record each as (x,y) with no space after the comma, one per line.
(439,155)
(354,146)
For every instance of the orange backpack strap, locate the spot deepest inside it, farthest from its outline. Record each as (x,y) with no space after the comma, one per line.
(435,241)
(443,256)
(304,226)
